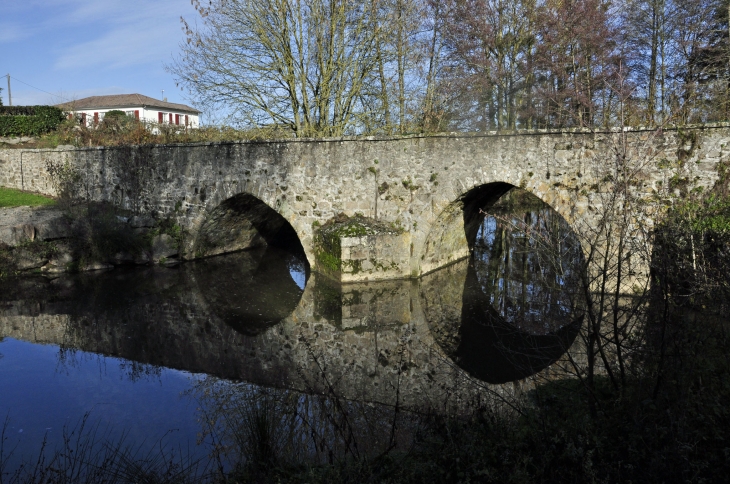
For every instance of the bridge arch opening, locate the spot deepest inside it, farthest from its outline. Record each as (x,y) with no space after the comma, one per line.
(522,265)
(266,271)
(453,234)
(245,222)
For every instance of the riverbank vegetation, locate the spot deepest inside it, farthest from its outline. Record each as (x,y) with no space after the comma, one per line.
(125,131)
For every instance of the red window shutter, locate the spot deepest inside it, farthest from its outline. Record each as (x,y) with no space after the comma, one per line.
(136,114)
(177,119)
(96,118)
(170,117)
(159,117)
(83,119)
(186,120)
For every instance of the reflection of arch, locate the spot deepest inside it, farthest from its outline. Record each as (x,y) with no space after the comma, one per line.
(245,222)
(468,329)
(254,290)
(496,351)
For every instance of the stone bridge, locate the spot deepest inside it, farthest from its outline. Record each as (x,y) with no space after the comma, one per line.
(427,189)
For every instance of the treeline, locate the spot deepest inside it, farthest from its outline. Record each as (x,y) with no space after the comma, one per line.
(332,67)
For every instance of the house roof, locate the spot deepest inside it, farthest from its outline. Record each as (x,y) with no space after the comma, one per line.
(114,101)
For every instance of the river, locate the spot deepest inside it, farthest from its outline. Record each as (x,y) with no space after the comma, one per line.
(170,356)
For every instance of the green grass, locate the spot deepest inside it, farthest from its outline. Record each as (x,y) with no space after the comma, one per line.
(10,197)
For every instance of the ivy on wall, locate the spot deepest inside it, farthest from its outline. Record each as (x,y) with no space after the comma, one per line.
(29,120)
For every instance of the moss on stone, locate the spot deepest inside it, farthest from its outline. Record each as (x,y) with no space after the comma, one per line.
(327,241)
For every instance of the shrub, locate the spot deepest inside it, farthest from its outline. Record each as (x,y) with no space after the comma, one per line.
(115,113)
(29,120)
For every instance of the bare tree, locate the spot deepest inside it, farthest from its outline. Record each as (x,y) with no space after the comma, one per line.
(490,45)
(575,56)
(646,34)
(302,64)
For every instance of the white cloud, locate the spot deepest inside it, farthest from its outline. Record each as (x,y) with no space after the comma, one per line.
(110,33)
(132,33)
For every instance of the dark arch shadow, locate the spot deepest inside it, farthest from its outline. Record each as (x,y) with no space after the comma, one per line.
(266,269)
(261,287)
(245,222)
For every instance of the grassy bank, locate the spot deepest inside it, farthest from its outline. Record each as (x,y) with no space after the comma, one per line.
(10,197)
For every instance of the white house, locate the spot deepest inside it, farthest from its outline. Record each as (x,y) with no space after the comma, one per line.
(91,110)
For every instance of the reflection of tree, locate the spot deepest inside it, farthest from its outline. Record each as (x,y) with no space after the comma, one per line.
(70,358)
(495,350)
(253,427)
(472,332)
(528,261)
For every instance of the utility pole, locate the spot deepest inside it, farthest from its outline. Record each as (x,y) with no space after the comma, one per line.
(10,97)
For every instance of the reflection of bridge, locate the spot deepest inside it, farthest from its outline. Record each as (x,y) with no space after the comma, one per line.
(363,341)
(429,186)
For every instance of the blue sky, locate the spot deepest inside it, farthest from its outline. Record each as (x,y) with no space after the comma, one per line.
(77,48)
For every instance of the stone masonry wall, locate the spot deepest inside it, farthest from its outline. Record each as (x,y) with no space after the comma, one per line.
(26,169)
(408,181)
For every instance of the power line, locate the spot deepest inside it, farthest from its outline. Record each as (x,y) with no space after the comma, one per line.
(41,90)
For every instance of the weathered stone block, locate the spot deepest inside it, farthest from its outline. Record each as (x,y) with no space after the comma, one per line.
(362,249)
(26,224)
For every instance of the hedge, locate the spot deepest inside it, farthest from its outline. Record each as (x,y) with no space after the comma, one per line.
(29,120)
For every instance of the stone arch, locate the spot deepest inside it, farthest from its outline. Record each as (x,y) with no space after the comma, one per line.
(244,221)
(453,231)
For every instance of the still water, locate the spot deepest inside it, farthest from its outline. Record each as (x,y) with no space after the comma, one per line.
(171,356)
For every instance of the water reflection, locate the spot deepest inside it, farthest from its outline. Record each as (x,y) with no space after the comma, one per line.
(528,261)
(496,350)
(253,290)
(262,333)
(520,302)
